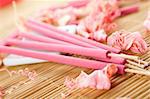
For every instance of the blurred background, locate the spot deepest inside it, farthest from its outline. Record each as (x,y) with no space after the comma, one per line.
(24,7)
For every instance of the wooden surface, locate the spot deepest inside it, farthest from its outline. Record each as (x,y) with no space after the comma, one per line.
(50,79)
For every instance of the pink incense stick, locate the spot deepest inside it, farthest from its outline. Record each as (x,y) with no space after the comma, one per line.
(45,39)
(12,35)
(78,3)
(58,36)
(75,4)
(58,58)
(129,9)
(34,25)
(99,54)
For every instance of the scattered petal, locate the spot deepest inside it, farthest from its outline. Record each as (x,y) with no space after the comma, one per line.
(111,70)
(99,35)
(70,83)
(139,45)
(102,81)
(128,41)
(98,79)
(118,40)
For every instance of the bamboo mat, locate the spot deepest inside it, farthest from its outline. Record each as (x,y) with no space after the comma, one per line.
(50,79)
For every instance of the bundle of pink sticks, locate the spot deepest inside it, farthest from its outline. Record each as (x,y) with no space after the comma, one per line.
(49,45)
(54,40)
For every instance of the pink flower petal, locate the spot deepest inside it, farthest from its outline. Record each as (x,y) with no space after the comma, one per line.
(110,70)
(98,79)
(102,80)
(128,41)
(139,45)
(117,40)
(70,83)
(99,35)
(82,80)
